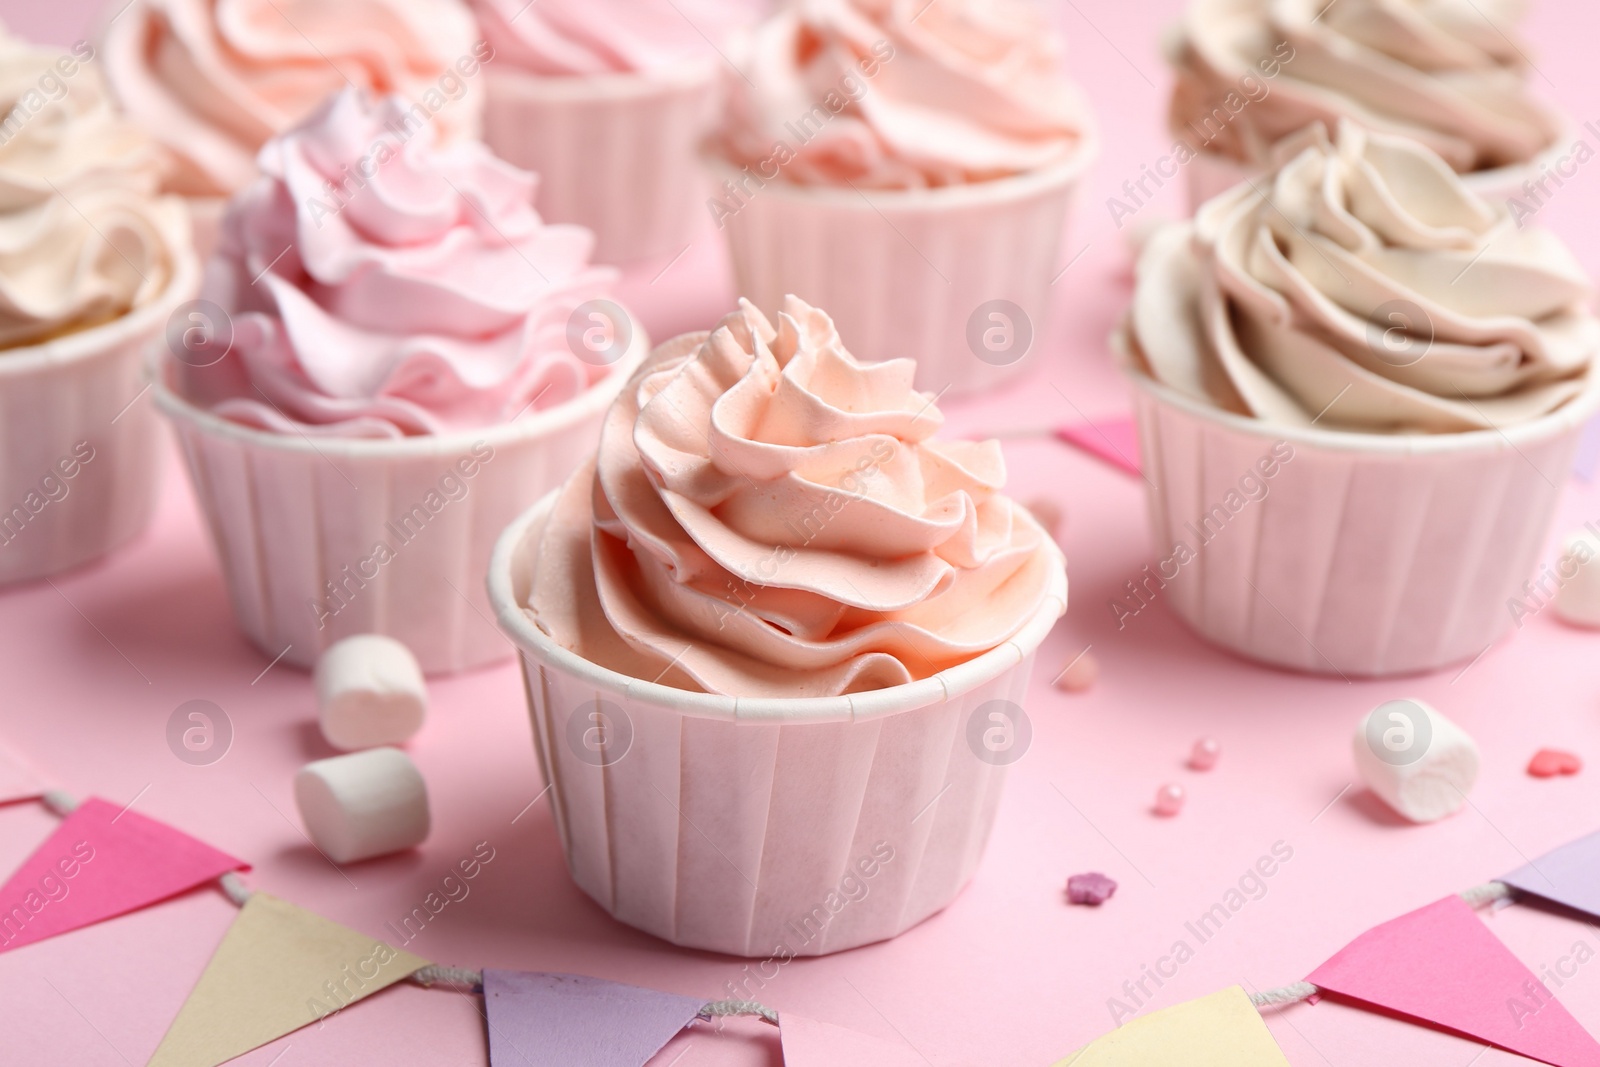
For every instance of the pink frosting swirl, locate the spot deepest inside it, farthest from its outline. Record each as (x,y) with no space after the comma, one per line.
(903,93)
(214,79)
(425,298)
(571,38)
(769,517)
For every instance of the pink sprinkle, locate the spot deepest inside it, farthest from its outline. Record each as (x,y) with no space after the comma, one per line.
(1093,889)
(1205,755)
(1169,800)
(1079,675)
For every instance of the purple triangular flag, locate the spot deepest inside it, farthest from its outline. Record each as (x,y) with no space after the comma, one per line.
(568,1020)
(1569,876)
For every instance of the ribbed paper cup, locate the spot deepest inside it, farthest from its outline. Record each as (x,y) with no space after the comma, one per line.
(1368,555)
(958,278)
(81,395)
(1210,174)
(617,153)
(750,826)
(301,525)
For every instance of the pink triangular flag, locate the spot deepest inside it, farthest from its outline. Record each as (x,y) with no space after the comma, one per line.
(1116,441)
(18,781)
(102,861)
(568,1020)
(808,1043)
(1441,965)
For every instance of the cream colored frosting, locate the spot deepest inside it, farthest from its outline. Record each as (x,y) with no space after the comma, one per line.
(902,93)
(1449,73)
(84,237)
(769,517)
(214,79)
(1362,282)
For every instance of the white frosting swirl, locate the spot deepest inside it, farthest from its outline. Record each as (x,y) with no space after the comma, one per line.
(1363,286)
(84,237)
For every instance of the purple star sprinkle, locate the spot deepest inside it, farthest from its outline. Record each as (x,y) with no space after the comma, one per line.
(1093,888)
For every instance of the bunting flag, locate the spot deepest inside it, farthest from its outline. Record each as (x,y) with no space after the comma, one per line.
(1114,441)
(1569,876)
(808,1043)
(18,781)
(1441,965)
(568,1020)
(1222,1030)
(101,861)
(279,968)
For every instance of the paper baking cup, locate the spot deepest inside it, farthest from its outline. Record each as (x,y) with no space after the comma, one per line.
(297,523)
(743,826)
(616,153)
(1369,554)
(81,395)
(919,273)
(1209,175)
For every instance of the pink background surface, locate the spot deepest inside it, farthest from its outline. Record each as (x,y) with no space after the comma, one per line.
(1009,973)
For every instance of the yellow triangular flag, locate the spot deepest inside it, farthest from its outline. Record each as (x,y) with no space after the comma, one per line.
(278,968)
(1222,1030)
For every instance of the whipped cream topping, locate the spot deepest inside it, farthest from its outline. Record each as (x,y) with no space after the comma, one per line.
(1449,73)
(572,38)
(1363,286)
(214,79)
(769,517)
(84,237)
(902,93)
(381,287)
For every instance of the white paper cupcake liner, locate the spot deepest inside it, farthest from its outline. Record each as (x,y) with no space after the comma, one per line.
(616,153)
(81,395)
(919,273)
(298,523)
(1368,554)
(747,826)
(1210,174)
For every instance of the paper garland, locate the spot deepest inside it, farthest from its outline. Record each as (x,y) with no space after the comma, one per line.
(279,968)
(1221,1030)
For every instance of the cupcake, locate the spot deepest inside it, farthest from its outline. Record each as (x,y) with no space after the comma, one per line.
(401,357)
(214,79)
(1251,72)
(608,101)
(1359,389)
(908,166)
(92,263)
(763,630)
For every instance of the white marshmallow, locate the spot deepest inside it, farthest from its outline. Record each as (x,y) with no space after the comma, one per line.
(1578,598)
(1419,762)
(369,692)
(363,805)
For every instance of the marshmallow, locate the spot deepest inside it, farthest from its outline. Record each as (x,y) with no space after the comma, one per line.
(363,805)
(1578,571)
(370,692)
(1419,762)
